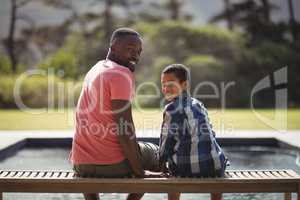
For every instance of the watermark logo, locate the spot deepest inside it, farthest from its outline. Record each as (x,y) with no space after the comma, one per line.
(60,96)
(278,81)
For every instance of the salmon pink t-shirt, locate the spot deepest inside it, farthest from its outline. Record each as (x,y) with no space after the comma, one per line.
(95,140)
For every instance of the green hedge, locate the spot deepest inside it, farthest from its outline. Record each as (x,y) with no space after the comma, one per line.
(63,63)
(38,92)
(5,65)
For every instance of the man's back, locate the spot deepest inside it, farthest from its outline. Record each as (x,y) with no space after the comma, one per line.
(95,139)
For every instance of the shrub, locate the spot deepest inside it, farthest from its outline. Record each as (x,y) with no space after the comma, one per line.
(6,91)
(179,40)
(64,64)
(38,92)
(5,65)
(205,68)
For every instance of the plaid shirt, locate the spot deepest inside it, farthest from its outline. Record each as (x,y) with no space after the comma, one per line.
(187,141)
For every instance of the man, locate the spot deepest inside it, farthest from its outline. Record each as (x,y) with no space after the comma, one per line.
(104,143)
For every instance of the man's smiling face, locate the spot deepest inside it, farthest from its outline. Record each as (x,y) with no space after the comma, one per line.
(127,50)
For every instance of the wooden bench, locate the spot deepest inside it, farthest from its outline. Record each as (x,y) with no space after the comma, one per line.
(277,181)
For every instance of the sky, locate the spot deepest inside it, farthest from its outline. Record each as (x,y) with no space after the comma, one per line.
(202,10)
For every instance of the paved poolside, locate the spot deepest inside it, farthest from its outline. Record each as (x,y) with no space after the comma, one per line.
(9,138)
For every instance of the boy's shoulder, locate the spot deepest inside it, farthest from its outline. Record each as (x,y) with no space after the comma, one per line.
(197,106)
(177,105)
(196,102)
(171,106)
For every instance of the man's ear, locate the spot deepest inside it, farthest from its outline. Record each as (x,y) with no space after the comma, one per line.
(112,48)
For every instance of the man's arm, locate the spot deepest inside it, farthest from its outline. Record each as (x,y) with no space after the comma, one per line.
(123,117)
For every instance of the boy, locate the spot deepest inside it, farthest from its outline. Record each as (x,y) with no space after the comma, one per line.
(187,142)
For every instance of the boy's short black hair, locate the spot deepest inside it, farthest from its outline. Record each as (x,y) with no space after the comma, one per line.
(179,70)
(121,32)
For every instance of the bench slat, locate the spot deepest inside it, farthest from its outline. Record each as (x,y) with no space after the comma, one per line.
(276,174)
(5,174)
(16,174)
(227,175)
(12,174)
(232,175)
(283,174)
(56,175)
(49,175)
(269,174)
(21,173)
(34,174)
(291,173)
(41,174)
(27,174)
(262,175)
(255,175)
(63,175)
(239,174)
(247,175)
(71,175)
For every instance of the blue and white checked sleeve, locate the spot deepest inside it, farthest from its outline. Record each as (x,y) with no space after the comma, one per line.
(167,141)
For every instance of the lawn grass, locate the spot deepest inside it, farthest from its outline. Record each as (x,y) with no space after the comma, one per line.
(148,118)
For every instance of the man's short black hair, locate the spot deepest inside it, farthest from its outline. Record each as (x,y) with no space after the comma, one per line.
(179,70)
(121,32)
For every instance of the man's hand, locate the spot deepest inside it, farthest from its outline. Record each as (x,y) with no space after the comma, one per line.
(150,174)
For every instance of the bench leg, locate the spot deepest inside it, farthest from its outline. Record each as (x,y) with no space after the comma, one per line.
(1,196)
(287,196)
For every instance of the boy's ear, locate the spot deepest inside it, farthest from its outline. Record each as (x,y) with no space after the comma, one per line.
(185,84)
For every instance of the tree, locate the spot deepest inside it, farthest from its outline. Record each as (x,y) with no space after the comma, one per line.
(292,20)
(266,10)
(174,7)
(62,62)
(10,42)
(106,15)
(109,20)
(75,16)
(253,16)
(228,15)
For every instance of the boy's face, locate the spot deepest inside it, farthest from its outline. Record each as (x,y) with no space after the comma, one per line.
(172,86)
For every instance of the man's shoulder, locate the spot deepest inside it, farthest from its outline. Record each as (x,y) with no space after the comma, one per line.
(110,70)
(96,68)
(113,66)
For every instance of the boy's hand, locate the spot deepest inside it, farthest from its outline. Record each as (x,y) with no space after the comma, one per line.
(150,174)
(163,167)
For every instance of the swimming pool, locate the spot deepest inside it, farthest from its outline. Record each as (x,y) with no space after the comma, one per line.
(250,157)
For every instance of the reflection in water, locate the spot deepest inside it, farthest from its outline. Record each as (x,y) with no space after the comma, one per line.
(240,158)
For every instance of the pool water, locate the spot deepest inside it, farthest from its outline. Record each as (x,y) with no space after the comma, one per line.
(240,158)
